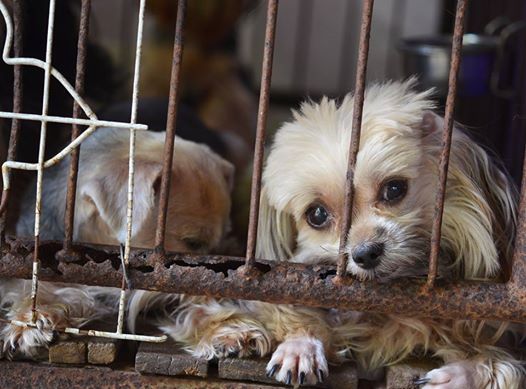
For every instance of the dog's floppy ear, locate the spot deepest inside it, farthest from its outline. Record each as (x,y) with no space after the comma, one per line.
(228,171)
(276,232)
(431,123)
(480,205)
(105,195)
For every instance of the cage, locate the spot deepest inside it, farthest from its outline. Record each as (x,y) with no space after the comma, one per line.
(248,278)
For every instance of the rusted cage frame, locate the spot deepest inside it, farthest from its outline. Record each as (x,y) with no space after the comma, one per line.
(279,282)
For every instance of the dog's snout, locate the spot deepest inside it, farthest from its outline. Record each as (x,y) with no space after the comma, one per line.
(367,255)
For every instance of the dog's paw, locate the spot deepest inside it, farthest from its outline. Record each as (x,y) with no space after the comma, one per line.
(299,360)
(25,340)
(451,376)
(234,340)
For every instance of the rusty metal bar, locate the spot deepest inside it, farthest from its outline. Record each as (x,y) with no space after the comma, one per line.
(456,57)
(77,112)
(18,93)
(361,71)
(170,126)
(277,282)
(264,95)
(518,269)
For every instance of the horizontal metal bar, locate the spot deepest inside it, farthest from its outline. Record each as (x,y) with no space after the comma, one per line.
(95,333)
(276,282)
(67,120)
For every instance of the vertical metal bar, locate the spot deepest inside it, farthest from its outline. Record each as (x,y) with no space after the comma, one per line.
(41,152)
(264,94)
(456,51)
(131,165)
(361,71)
(18,91)
(518,269)
(77,112)
(170,126)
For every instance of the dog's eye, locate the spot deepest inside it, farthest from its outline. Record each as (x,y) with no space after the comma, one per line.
(195,244)
(317,216)
(393,190)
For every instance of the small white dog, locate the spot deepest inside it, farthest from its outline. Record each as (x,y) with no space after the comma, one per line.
(395,187)
(198,219)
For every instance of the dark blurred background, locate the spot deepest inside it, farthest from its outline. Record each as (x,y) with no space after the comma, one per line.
(315,54)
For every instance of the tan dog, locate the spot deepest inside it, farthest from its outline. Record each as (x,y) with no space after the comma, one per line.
(198,219)
(395,185)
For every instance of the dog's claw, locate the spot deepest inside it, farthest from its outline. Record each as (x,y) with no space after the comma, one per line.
(289,378)
(421,381)
(302,378)
(273,370)
(320,376)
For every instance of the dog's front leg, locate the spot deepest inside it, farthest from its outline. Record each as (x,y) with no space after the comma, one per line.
(210,328)
(485,371)
(26,339)
(58,306)
(301,357)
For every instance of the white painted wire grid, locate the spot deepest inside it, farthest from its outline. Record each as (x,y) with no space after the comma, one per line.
(93,123)
(41,151)
(131,166)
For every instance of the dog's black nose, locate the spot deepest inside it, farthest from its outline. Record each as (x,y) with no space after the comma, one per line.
(367,255)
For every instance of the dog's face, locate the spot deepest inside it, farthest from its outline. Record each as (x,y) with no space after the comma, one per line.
(395,187)
(198,206)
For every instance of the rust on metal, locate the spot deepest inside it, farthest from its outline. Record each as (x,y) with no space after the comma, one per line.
(361,71)
(77,113)
(264,95)
(18,14)
(170,126)
(456,56)
(276,282)
(518,269)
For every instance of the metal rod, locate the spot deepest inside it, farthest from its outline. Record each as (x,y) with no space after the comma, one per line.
(18,93)
(456,51)
(66,120)
(518,264)
(170,126)
(97,333)
(37,63)
(131,165)
(82,45)
(279,282)
(361,71)
(264,95)
(41,152)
